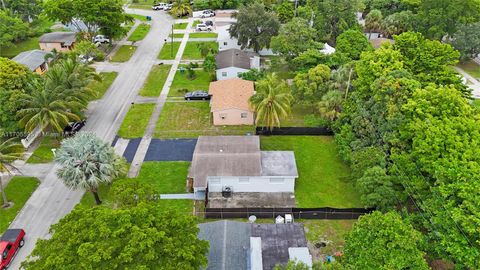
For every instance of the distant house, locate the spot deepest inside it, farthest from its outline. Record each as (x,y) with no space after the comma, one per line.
(327,49)
(251,246)
(225,41)
(233,62)
(237,165)
(230,104)
(34,60)
(377,42)
(60,41)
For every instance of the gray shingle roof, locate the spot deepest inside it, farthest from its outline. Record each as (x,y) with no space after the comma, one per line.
(233,58)
(58,37)
(279,163)
(32,59)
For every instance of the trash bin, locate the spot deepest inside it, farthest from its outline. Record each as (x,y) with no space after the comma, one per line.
(182,69)
(149,18)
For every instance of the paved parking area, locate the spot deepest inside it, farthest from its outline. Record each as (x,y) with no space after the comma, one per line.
(171,150)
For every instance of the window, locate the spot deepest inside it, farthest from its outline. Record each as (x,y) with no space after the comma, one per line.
(243,180)
(224,74)
(243,115)
(225,43)
(214,180)
(276,180)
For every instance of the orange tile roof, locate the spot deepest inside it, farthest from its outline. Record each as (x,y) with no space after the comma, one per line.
(231,93)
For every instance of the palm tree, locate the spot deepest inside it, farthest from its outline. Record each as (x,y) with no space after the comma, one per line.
(181,8)
(86,162)
(373,21)
(9,151)
(272,101)
(330,106)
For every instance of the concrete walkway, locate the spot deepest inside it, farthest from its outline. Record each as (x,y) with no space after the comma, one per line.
(53,200)
(472,82)
(147,137)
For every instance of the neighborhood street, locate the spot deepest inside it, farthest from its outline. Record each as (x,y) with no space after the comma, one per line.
(52,200)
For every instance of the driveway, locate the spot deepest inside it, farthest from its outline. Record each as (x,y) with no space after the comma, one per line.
(171,150)
(53,200)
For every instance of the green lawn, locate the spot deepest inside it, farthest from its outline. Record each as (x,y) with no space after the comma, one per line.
(26,45)
(136,121)
(180,25)
(323,177)
(334,231)
(124,53)
(203,35)
(301,116)
(195,23)
(193,53)
(140,6)
(139,17)
(166,52)
(44,154)
(471,68)
(155,81)
(140,32)
(102,86)
(476,103)
(176,35)
(190,120)
(201,82)
(165,177)
(18,191)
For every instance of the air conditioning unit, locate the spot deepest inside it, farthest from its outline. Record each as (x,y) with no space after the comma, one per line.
(227,192)
(288,218)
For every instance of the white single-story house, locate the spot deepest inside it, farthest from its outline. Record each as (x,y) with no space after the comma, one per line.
(233,62)
(236,164)
(34,60)
(225,42)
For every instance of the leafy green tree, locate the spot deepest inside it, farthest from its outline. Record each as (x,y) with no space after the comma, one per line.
(383,241)
(254,27)
(104,16)
(209,64)
(352,43)
(86,162)
(272,101)
(467,41)
(397,23)
(294,38)
(25,9)
(373,22)
(285,11)
(141,237)
(377,188)
(131,192)
(89,49)
(12,29)
(311,86)
(253,75)
(10,150)
(181,8)
(206,48)
(14,81)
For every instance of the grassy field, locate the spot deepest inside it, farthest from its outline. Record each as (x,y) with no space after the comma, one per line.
(44,154)
(102,87)
(193,53)
(323,177)
(155,81)
(165,177)
(190,120)
(201,82)
(124,53)
(166,52)
(180,25)
(203,35)
(139,17)
(333,231)
(471,68)
(176,35)
(140,32)
(26,45)
(299,116)
(18,191)
(136,121)
(195,23)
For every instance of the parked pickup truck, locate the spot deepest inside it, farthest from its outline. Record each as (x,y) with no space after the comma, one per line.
(10,242)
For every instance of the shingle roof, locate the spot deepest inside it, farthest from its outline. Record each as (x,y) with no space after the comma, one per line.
(58,37)
(233,58)
(231,93)
(32,59)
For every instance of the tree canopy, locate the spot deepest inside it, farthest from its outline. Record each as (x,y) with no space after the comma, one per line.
(295,37)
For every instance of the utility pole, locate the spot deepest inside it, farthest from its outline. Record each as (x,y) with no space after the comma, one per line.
(171,44)
(348,84)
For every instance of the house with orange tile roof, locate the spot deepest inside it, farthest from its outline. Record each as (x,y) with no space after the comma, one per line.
(230,104)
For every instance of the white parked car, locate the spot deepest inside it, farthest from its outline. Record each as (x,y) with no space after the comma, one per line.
(203,27)
(207,13)
(168,7)
(100,39)
(159,6)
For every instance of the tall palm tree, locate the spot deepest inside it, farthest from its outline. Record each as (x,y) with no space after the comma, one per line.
(373,21)
(10,150)
(86,162)
(181,8)
(272,101)
(330,105)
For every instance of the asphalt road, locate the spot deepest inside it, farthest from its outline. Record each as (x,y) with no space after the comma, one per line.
(52,200)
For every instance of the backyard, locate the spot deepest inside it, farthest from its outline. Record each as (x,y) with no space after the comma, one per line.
(181,82)
(26,45)
(136,121)
(192,52)
(124,53)
(166,53)
(165,177)
(331,232)
(471,68)
(140,32)
(155,81)
(18,191)
(102,86)
(190,120)
(43,153)
(324,180)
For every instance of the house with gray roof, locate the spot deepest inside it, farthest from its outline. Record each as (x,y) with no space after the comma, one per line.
(60,41)
(34,60)
(233,62)
(249,246)
(236,164)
